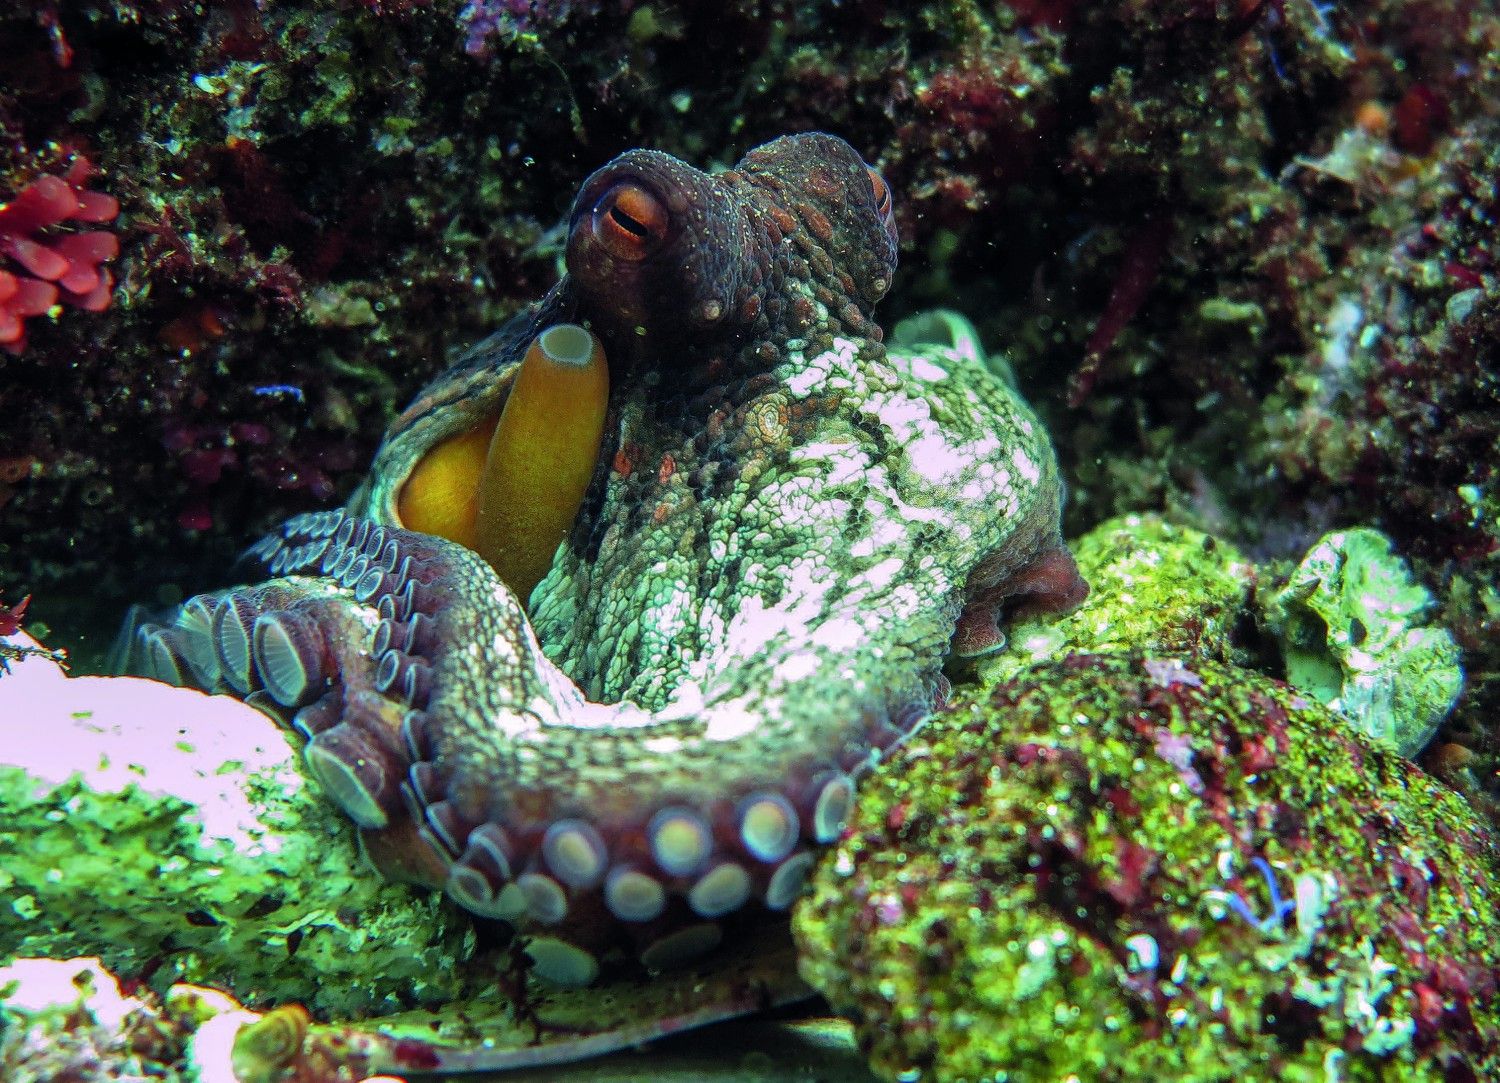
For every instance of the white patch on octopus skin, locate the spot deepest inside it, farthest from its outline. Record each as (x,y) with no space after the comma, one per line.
(991,482)
(840,463)
(686,702)
(805,381)
(1028,468)
(930,452)
(756,625)
(734,719)
(799,667)
(839,635)
(711,620)
(935,460)
(879,481)
(807,376)
(803,499)
(883,531)
(673,614)
(923,369)
(879,577)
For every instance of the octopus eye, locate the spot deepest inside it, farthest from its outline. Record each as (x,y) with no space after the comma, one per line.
(882,192)
(629,221)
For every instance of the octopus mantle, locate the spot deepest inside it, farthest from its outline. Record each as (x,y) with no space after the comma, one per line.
(788,526)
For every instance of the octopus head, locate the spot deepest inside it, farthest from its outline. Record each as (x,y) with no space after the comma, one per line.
(642,248)
(661,251)
(842,204)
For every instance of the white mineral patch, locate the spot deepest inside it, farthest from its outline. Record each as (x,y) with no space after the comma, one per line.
(37,985)
(117,732)
(138,814)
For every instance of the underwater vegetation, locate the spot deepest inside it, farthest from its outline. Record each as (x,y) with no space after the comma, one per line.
(52,263)
(1240,258)
(1351,626)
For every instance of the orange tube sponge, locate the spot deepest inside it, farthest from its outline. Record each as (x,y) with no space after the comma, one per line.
(542,455)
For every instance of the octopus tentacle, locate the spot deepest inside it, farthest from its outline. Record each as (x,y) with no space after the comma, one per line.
(653,837)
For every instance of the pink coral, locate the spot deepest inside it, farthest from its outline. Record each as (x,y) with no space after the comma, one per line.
(53,263)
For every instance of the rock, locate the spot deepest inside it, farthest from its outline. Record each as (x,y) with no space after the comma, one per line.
(1154,587)
(1353,626)
(173,835)
(1125,868)
(67,1019)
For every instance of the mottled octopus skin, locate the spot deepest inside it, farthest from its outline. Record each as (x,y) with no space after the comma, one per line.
(757,596)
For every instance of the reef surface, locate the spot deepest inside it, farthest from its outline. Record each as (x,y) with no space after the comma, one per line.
(1131,857)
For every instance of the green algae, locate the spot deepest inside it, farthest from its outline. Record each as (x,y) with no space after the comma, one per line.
(498,1029)
(1063,878)
(1352,622)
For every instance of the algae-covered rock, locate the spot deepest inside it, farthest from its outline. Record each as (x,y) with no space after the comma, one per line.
(1115,868)
(1153,587)
(174,835)
(64,1020)
(68,1021)
(1353,626)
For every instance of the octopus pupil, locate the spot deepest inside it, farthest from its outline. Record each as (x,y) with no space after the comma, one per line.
(629,224)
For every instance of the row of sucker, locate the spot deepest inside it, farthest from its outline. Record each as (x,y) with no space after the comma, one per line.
(345,638)
(666,881)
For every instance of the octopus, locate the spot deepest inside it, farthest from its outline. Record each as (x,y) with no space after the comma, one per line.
(636,591)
